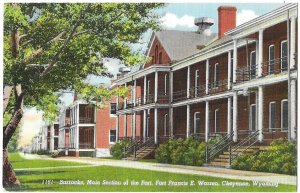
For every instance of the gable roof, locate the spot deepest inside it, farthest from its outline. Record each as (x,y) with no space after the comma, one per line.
(181,44)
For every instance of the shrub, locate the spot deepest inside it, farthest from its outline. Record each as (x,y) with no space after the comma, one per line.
(55,154)
(281,157)
(117,150)
(42,152)
(183,152)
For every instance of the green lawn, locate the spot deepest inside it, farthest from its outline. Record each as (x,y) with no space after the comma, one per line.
(33,180)
(18,162)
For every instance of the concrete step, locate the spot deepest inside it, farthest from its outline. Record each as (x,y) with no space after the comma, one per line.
(221,159)
(219,164)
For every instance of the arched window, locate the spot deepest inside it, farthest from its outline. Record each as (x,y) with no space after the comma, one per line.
(284,55)
(197,76)
(196,122)
(271,59)
(216,75)
(216,120)
(272,115)
(253,117)
(165,124)
(284,114)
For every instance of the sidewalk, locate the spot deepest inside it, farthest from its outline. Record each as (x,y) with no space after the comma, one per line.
(205,171)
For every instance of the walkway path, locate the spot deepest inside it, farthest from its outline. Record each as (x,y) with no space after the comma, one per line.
(206,171)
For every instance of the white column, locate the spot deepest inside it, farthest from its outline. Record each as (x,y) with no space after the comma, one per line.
(171,121)
(145,89)
(77,137)
(171,86)
(229,69)
(187,121)
(206,120)
(155,126)
(134,125)
(156,87)
(293,109)
(207,76)
(260,112)
(260,52)
(117,128)
(229,116)
(188,82)
(134,93)
(125,99)
(234,60)
(292,42)
(144,125)
(234,116)
(125,125)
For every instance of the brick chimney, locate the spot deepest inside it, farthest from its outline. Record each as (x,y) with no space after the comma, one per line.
(227,19)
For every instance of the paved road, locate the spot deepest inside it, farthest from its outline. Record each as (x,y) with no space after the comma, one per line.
(205,171)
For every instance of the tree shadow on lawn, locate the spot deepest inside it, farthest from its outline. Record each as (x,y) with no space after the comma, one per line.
(36,173)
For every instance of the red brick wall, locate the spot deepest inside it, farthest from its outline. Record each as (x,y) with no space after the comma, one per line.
(201,66)
(243,104)
(179,120)
(222,60)
(155,60)
(274,93)
(199,107)
(180,80)
(220,104)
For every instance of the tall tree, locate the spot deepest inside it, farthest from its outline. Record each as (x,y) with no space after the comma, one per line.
(52,47)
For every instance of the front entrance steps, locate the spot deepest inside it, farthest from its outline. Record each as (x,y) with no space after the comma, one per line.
(142,153)
(223,159)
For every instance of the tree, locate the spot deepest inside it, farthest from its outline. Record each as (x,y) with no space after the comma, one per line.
(52,47)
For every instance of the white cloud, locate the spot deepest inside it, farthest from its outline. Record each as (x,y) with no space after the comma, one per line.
(171,20)
(245,15)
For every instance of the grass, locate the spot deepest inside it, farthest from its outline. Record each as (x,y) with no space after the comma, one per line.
(18,162)
(48,180)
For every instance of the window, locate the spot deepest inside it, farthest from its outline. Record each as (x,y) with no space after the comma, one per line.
(113,108)
(271,59)
(156,53)
(253,117)
(272,114)
(216,120)
(165,124)
(148,89)
(160,58)
(231,63)
(197,122)
(112,136)
(166,84)
(216,77)
(252,65)
(284,114)
(197,83)
(284,55)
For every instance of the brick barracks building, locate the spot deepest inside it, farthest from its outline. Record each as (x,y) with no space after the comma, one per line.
(239,83)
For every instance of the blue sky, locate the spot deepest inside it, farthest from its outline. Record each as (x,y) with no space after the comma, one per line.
(210,10)
(177,16)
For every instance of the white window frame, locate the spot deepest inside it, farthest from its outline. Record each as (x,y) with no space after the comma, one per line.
(112,115)
(197,77)
(112,142)
(148,89)
(215,75)
(283,41)
(165,124)
(216,117)
(270,58)
(281,115)
(166,82)
(251,66)
(250,122)
(195,120)
(270,104)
